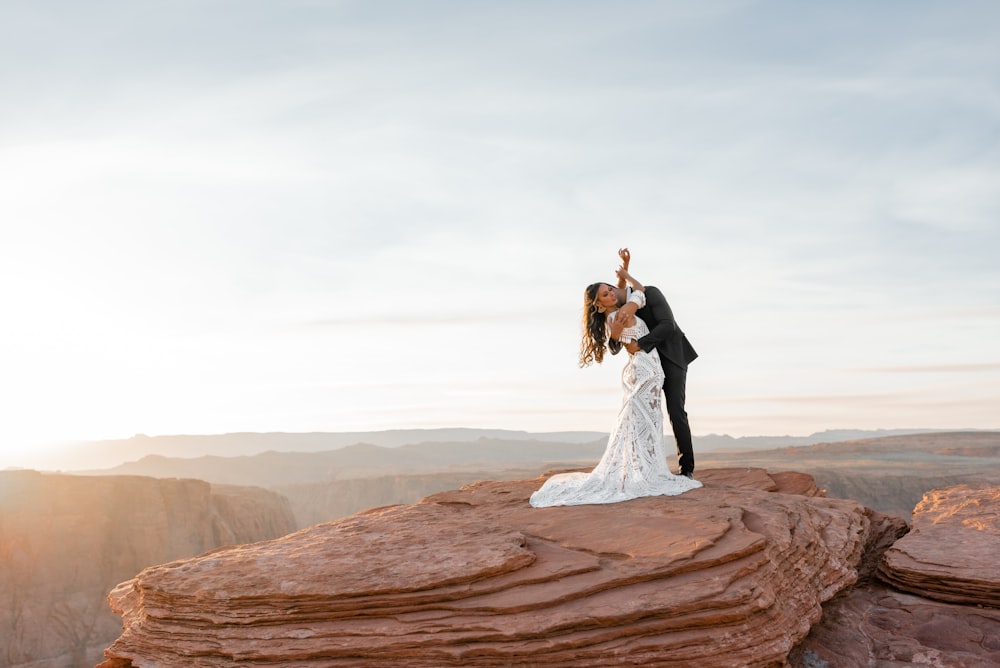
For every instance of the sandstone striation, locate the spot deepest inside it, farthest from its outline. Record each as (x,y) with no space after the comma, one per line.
(733,574)
(951,553)
(66,540)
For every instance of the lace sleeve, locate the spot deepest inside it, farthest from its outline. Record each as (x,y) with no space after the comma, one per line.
(632,332)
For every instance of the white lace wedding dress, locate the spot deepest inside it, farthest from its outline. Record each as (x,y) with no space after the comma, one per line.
(635,462)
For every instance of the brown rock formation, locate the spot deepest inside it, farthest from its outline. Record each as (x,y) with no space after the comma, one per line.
(65,541)
(951,554)
(876,626)
(732,574)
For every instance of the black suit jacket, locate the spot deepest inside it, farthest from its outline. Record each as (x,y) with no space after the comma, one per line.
(664,334)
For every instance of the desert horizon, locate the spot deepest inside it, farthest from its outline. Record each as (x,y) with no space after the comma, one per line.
(86,455)
(287,463)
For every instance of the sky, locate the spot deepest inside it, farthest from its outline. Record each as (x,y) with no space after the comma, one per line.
(305,215)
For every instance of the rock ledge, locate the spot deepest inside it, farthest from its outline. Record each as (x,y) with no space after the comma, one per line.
(731,574)
(951,553)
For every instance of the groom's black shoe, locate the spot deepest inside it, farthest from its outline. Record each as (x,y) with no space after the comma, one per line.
(686,474)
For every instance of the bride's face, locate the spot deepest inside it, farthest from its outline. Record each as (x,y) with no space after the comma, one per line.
(606,297)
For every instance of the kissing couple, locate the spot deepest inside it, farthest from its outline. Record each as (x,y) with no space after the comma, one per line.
(638,319)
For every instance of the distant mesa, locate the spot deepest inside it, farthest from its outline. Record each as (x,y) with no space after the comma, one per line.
(889,474)
(66,540)
(99,455)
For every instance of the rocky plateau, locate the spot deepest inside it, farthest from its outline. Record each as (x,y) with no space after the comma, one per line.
(754,569)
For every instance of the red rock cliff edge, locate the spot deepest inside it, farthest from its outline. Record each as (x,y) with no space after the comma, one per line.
(731,574)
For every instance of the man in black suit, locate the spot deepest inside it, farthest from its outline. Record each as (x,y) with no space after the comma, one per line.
(675,353)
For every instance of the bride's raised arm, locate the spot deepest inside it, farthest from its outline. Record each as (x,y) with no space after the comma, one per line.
(623,316)
(626,257)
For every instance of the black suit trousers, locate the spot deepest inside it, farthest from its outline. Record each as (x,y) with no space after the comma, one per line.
(674,388)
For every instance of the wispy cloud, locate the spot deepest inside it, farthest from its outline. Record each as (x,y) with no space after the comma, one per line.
(935,368)
(302,195)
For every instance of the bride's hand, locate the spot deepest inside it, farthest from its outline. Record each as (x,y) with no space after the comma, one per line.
(625,256)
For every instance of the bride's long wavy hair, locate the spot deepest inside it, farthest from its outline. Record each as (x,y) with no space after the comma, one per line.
(595,322)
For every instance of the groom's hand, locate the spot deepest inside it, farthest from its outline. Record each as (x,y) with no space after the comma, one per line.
(632,347)
(616,328)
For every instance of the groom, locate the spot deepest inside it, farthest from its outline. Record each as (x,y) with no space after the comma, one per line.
(675,353)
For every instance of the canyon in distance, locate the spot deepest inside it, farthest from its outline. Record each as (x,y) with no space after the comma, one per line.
(68,539)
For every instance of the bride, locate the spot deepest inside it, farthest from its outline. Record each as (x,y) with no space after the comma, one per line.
(634,463)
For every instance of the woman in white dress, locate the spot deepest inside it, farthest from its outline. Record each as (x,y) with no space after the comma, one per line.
(634,463)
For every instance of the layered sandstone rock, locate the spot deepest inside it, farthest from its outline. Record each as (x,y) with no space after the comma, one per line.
(732,574)
(65,541)
(876,626)
(952,553)
(949,556)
